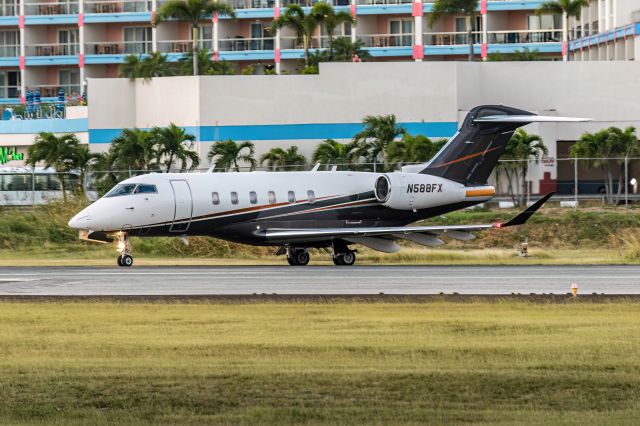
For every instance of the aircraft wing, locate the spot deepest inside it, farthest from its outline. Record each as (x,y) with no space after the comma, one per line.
(376,235)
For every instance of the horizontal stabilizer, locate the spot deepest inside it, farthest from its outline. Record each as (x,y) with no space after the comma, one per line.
(528,119)
(525,215)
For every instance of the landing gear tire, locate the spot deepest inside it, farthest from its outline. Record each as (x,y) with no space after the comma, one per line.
(347,259)
(120,260)
(298,258)
(126,260)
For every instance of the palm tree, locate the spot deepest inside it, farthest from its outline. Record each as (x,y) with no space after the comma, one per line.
(303,25)
(567,8)
(205,64)
(225,154)
(467,7)
(412,149)
(344,50)
(331,152)
(331,19)
(379,131)
(54,151)
(625,144)
(523,147)
(146,67)
(174,143)
(280,159)
(82,162)
(594,148)
(519,55)
(134,149)
(193,11)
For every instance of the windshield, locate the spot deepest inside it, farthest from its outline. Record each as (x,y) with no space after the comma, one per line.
(122,189)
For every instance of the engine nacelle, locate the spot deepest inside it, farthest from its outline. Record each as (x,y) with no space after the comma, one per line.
(409,191)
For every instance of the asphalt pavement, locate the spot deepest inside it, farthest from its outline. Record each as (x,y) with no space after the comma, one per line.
(319,280)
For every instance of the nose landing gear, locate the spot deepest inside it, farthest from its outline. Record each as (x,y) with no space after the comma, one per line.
(124,247)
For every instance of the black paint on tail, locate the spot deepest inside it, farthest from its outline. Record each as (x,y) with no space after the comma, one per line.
(472,153)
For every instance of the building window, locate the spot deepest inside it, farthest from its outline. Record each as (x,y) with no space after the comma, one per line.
(137,40)
(461,30)
(9,43)
(8,8)
(234,198)
(401,31)
(68,40)
(545,28)
(311,197)
(272,197)
(215,198)
(69,81)
(292,196)
(253,197)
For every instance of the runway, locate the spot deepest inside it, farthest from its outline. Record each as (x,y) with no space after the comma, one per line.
(319,280)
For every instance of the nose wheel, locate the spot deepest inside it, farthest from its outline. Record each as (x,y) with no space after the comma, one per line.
(124,247)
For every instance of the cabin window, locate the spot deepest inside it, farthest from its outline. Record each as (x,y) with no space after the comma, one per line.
(272,197)
(234,198)
(253,197)
(292,197)
(311,196)
(215,198)
(146,189)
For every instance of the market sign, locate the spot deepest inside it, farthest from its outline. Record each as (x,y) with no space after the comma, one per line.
(6,155)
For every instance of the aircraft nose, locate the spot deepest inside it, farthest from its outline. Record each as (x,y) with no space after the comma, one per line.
(80,221)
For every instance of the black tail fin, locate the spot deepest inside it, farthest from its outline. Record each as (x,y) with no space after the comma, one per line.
(472,153)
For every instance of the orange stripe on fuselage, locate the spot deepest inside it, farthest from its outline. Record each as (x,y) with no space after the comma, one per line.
(488,192)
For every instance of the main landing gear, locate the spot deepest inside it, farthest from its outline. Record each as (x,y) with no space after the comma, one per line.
(342,255)
(124,247)
(297,256)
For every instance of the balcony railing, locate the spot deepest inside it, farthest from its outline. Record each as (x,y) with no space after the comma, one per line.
(242,44)
(102,6)
(51,8)
(525,36)
(251,4)
(52,49)
(382,2)
(9,91)
(386,40)
(51,90)
(182,46)
(118,47)
(9,9)
(9,50)
(451,38)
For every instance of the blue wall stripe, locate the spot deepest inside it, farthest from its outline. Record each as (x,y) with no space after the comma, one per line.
(289,131)
(34,126)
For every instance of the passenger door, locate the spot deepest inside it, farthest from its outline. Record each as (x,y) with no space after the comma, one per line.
(183,206)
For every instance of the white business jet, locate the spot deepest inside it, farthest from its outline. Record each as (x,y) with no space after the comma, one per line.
(296,211)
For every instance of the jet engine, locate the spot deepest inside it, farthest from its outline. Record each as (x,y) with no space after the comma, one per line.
(414,191)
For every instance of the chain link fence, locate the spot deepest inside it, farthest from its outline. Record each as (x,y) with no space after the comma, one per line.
(612,181)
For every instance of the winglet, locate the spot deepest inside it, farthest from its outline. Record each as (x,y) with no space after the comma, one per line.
(521,218)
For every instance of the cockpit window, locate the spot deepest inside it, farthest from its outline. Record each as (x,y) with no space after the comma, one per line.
(122,189)
(146,189)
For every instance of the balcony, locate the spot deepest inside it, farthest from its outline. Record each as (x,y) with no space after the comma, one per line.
(245,44)
(56,49)
(51,8)
(386,40)
(9,51)
(51,90)
(118,48)
(525,36)
(251,4)
(116,6)
(9,92)
(382,2)
(9,9)
(450,38)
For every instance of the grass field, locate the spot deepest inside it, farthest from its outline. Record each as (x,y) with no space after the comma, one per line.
(312,363)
